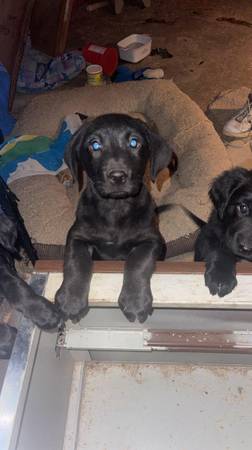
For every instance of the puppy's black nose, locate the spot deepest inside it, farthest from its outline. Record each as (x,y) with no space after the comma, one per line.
(245,244)
(117,176)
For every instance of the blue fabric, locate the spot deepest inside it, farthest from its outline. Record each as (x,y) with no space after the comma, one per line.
(29,155)
(7,122)
(52,159)
(123,73)
(39,72)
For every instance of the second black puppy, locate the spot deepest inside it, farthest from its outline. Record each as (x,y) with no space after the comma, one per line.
(115,218)
(227,237)
(14,239)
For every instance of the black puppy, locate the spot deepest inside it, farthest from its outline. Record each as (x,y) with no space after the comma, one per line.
(227,237)
(12,288)
(116,216)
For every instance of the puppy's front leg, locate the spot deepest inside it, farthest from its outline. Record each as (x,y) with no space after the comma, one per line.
(220,274)
(18,293)
(135,299)
(72,296)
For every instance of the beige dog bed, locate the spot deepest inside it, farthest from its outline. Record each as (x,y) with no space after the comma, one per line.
(45,204)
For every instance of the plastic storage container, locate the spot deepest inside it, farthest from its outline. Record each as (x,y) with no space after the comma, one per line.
(135,47)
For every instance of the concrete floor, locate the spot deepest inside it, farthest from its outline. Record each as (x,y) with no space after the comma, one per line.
(210,40)
(163,407)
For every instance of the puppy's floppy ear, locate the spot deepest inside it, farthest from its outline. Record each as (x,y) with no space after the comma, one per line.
(72,152)
(161,153)
(74,148)
(224,187)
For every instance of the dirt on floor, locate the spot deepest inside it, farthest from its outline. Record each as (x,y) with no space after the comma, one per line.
(210,40)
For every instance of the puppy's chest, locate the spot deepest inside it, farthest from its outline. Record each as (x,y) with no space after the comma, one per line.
(115,240)
(111,243)
(112,249)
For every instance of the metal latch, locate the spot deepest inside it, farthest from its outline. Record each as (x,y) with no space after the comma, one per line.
(104,339)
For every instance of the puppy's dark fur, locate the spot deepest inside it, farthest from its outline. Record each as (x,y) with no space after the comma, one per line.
(19,294)
(227,237)
(116,216)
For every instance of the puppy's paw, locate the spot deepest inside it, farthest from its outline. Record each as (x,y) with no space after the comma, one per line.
(70,305)
(220,282)
(136,306)
(43,313)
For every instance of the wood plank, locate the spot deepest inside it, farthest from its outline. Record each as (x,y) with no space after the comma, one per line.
(170,290)
(14,26)
(161,267)
(50,24)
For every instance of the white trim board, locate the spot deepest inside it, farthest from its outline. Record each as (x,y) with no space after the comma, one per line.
(169,290)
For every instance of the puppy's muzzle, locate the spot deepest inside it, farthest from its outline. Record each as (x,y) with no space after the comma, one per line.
(117,177)
(245,243)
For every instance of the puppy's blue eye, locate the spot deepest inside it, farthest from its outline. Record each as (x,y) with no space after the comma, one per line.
(95,146)
(243,209)
(133,143)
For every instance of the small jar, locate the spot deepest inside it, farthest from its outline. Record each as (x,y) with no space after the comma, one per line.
(94,75)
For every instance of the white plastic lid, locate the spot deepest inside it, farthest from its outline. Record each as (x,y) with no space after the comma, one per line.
(94,69)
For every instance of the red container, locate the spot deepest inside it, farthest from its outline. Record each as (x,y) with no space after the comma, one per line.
(107,57)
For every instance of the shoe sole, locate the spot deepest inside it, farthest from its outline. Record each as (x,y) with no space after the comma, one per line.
(238,135)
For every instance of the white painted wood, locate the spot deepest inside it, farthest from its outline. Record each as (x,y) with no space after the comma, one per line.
(169,290)
(71,428)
